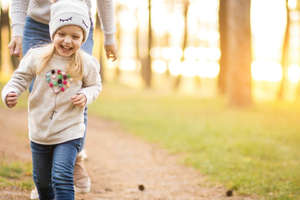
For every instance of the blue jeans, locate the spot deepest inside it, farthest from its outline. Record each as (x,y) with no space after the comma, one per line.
(53,167)
(36,34)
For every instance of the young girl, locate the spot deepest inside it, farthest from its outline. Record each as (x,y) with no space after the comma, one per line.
(66,80)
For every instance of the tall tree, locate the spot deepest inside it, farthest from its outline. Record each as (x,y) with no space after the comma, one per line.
(285,54)
(238,78)
(5,34)
(101,50)
(137,38)
(298,27)
(147,61)
(1,36)
(119,10)
(186,5)
(223,28)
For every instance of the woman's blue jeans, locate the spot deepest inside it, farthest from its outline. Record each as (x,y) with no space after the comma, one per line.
(36,34)
(53,167)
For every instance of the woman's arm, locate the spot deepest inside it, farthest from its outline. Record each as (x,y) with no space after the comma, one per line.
(18,12)
(107,20)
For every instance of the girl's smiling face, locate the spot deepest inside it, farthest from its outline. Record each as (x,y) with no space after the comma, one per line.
(67,40)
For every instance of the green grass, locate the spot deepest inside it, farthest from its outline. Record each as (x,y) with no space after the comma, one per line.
(253,150)
(15,174)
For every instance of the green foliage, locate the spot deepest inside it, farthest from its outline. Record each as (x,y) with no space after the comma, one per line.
(253,151)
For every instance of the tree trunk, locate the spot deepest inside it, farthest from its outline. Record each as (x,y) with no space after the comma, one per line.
(1,52)
(298,28)
(101,52)
(147,62)
(186,4)
(137,40)
(285,55)
(167,39)
(117,73)
(223,28)
(238,78)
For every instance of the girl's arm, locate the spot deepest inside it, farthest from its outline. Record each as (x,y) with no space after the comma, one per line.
(21,78)
(106,18)
(91,81)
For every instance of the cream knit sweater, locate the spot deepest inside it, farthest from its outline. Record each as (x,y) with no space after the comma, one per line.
(39,10)
(52,118)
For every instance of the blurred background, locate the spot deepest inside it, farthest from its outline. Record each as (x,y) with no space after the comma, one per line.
(215,80)
(199,46)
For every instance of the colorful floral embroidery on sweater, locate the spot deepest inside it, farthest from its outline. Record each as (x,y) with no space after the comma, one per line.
(58,80)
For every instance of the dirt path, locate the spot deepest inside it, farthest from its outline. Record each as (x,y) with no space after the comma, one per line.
(118,163)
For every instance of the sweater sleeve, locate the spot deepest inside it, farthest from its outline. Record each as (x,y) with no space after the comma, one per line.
(91,81)
(21,78)
(18,12)
(106,18)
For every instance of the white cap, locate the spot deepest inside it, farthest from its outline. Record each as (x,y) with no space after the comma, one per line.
(69,12)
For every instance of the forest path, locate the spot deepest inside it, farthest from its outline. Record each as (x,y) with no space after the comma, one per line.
(121,166)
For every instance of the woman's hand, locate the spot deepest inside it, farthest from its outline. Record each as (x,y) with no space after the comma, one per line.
(111,52)
(15,46)
(11,99)
(79,100)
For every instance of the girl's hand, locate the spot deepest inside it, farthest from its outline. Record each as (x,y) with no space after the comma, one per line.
(11,99)
(79,100)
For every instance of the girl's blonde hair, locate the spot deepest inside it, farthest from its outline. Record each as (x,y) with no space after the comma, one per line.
(75,67)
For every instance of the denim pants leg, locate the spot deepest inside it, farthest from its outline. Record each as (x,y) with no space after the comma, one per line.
(36,34)
(53,167)
(42,165)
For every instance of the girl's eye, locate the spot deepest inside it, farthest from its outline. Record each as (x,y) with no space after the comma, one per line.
(61,34)
(75,37)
